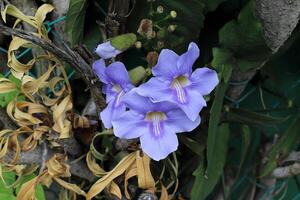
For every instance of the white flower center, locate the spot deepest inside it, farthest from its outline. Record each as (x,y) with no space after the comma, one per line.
(178,84)
(156,118)
(120,92)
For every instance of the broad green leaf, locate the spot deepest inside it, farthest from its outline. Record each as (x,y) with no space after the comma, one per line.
(251,118)
(282,147)
(39,191)
(75,20)
(205,182)
(243,38)
(5,196)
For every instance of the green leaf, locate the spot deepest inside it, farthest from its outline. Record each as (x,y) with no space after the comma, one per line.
(75,20)
(39,191)
(211,5)
(214,121)
(92,36)
(282,147)
(7,196)
(191,144)
(246,139)
(8,97)
(205,182)
(216,143)
(251,118)
(9,179)
(243,38)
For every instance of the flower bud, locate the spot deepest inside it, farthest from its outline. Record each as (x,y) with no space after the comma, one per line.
(160,44)
(138,44)
(172,27)
(137,75)
(123,42)
(160,9)
(106,50)
(152,57)
(173,14)
(115,46)
(146,28)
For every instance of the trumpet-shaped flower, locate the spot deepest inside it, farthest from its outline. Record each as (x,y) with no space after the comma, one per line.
(155,123)
(175,82)
(116,83)
(106,50)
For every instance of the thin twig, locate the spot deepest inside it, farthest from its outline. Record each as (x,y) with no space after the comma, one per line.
(67,55)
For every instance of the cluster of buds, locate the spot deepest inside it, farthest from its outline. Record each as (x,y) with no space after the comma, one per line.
(155,30)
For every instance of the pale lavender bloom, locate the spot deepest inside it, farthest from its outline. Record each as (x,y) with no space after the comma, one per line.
(106,50)
(175,82)
(155,123)
(116,83)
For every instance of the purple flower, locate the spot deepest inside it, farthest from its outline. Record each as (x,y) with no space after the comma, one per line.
(155,123)
(175,82)
(106,50)
(116,84)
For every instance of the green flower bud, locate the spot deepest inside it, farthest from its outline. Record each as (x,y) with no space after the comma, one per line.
(123,42)
(137,75)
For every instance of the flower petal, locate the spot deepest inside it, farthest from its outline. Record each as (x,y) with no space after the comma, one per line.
(194,104)
(179,122)
(204,80)
(111,112)
(166,65)
(157,89)
(159,147)
(137,102)
(186,60)
(106,50)
(99,69)
(143,104)
(129,125)
(118,74)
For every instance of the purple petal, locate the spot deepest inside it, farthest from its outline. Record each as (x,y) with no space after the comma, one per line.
(137,102)
(111,112)
(111,94)
(118,74)
(143,105)
(106,50)
(166,65)
(186,60)
(194,104)
(159,147)
(157,89)
(204,80)
(129,125)
(179,122)
(99,69)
